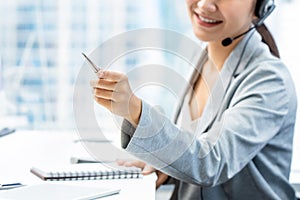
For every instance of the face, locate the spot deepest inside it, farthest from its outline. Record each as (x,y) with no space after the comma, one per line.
(215,20)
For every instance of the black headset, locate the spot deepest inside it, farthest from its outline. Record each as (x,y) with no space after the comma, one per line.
(263,9)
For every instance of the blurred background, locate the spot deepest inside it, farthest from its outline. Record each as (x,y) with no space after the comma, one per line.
(41,43)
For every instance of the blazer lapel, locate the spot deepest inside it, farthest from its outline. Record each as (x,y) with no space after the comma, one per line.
(215,100)
(234,64)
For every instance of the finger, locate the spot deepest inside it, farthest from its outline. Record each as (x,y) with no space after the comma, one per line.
(103,84)
(161,178)
(138,164)
(104,94)
(104,102)
(111,75)
(148,170)
(131,163)
(100,72)
(120,162)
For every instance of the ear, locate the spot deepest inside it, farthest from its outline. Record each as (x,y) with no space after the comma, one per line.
(254,19)
(254,16)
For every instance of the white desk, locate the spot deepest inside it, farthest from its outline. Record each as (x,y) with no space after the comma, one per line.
(24,149)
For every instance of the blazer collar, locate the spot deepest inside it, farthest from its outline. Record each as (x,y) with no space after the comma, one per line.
(233,66)
(244,51)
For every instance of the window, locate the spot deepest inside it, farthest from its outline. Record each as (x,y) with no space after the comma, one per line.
(41,44)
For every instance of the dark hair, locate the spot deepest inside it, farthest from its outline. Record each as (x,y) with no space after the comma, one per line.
(268,39)
(261,9)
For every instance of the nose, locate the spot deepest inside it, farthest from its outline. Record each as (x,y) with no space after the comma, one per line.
(208,5)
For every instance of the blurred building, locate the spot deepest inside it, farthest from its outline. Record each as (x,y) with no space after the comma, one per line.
(41,44)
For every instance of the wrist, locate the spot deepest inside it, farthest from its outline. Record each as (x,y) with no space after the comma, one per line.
(135,110)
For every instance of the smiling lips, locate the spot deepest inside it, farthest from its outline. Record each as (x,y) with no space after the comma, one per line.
(206,22)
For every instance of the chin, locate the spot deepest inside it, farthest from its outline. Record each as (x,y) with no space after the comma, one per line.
(201,36)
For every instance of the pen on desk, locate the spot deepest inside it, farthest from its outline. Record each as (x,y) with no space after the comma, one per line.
(10,186)
(76,160)
(94,66)
(6,131)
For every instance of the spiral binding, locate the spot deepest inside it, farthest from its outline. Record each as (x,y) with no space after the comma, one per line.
(91,175)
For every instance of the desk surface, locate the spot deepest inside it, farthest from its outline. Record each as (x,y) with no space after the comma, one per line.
(24,149)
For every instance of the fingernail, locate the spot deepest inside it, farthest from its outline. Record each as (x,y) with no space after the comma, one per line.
(100,73)
(146,172)
(120,162)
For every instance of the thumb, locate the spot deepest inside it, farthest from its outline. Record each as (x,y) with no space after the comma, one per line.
(148,170)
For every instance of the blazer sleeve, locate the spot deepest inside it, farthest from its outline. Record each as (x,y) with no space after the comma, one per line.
(127,131)
(256,112)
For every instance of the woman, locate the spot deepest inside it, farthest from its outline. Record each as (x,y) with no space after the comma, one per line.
(237,124)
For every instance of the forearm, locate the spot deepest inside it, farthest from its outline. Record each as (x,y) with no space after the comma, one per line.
(135,109)
(200,158)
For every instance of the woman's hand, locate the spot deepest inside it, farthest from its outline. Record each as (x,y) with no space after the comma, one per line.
(146,170)
(112,90)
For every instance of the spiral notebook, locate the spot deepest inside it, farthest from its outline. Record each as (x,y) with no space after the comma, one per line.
(92,171)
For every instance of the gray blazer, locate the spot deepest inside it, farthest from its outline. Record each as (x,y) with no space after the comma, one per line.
(242,146)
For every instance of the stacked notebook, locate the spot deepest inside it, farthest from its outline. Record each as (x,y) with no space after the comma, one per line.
(94,171)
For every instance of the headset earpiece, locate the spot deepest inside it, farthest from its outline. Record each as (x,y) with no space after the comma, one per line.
(263,9)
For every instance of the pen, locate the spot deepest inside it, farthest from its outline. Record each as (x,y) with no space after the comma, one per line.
(6,131)
(95,67)
(10,185)
(75,160)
